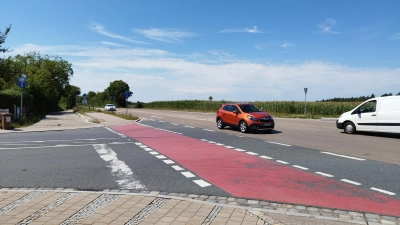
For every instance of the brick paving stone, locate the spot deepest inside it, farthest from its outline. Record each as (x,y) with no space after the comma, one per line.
(383,221)
(390,218)
(369,215)
(312,209)
(345,216)
(356,214)
(327,210)
(264,203)
(300,207)
(372,220)
(222,201)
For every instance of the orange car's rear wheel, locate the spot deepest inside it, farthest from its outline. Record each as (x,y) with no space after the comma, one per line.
(220,123)
(243,126)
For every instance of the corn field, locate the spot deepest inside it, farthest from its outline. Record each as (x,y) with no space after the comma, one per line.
(276,108)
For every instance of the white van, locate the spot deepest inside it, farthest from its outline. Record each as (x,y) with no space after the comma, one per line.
(380,114)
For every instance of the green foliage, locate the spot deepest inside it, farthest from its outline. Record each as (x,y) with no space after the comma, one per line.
(9,98)
(116,91)
(47,78)
(276,108)
(352,99)
(3,36)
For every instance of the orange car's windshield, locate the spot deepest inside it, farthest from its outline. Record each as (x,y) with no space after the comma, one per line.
(249,108)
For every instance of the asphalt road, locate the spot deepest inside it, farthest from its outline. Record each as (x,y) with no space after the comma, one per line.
(308,133)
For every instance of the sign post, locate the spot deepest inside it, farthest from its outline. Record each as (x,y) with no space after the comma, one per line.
(127,94)
(22,84)
(305,101)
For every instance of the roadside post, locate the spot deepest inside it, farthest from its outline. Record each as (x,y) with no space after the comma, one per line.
(22,84)
(127,94)
(305,101)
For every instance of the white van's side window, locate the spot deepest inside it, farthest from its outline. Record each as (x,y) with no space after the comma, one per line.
(367,107)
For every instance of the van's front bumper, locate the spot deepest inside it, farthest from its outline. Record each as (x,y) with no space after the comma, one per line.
(339,125)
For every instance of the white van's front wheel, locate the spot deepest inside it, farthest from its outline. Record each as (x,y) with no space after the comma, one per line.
(349,128)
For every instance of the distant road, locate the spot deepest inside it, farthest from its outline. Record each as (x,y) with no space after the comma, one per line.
(315,134)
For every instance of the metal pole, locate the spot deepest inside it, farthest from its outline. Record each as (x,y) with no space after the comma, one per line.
(22,96)
(126,100)
(305,101)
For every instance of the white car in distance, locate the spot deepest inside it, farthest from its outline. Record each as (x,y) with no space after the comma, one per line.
(110,107)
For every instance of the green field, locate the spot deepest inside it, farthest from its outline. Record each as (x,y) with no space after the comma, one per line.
(276,108)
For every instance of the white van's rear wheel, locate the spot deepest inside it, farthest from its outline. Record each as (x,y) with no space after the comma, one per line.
(349,128)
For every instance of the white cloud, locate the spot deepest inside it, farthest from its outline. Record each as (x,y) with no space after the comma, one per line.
(155,74)
(101,30)
(112,44)
(327,26)
(242,30)
(395,37)
(288,45)
(165,35)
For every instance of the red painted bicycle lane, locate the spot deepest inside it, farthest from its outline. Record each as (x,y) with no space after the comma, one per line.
(246,176)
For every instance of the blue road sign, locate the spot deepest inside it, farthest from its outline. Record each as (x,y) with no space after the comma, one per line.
(21,82)
(127,94)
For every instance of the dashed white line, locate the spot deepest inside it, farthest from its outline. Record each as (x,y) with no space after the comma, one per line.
(229,147)
(344,156)
(189,127)
(350,182)
(168,161)
(211,142)
(188,174)
(178,168)
(154,153)
(202,183)
(278,143)
(174,124)
(300,167)
(148,149)
(209,130)
(160,157)
(219,144)
(283,162)
(324,174)
(239,150)
(265,157)
(251,153)
(383,191)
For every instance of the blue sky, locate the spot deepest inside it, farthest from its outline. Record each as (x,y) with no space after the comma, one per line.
(257,50)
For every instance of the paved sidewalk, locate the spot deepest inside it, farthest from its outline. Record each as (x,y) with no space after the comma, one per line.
(68,206)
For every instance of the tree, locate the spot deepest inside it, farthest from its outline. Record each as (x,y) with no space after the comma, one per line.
(398,93)
(3,37)
(47,78)
(71,92)
(116,92)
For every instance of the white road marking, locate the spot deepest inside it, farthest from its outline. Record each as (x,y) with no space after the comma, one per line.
(283,162)
(204,139)
(300,167)
(153,153)
(324,174)
(138,143)
(251,153)
(202,183)
(209,130)
(383,191)
(277,143)
(189,127)
(211,142)
(229,147)
(344,156)
(160,157)
(119,169)
(239,150)
(266,157)
(350,182)
(178,168)
(188,174)
(219,144)
(174,124)
(122,135)
(148,149)
(168,161)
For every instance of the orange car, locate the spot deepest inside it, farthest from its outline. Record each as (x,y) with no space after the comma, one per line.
(246,116)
